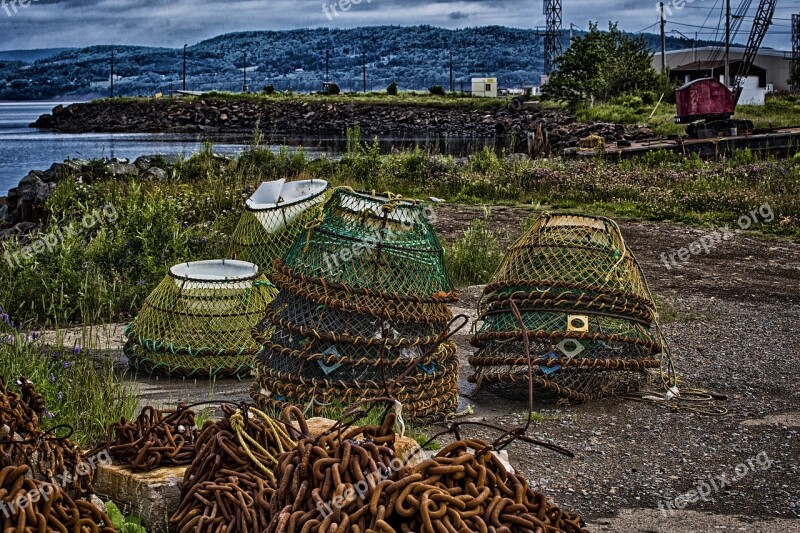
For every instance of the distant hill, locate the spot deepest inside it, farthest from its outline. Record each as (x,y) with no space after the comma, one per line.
(29,56)
(416,57)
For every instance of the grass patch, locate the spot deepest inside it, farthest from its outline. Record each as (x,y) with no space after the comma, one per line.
(102,274)
(80,390)
(476,256)
(403,98)
(778,111)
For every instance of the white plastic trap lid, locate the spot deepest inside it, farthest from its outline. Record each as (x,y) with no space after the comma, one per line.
(215,270)
(279,193)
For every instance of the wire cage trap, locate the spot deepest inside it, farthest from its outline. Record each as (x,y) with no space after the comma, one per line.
(273,217)
(588,312)
(362,310)
(197,322)
(377,244)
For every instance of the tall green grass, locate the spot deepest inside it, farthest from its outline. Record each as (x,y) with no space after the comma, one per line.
(81,391)
(102,274)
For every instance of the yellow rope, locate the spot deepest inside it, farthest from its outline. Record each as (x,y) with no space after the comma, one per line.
(238,425)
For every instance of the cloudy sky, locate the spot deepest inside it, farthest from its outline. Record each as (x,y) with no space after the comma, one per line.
(70,23)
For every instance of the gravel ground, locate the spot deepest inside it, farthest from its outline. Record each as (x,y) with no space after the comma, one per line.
(732,318)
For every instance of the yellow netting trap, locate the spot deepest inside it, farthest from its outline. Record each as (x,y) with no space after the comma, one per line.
(362,312)
(273,217)
(585,304)
(197,322)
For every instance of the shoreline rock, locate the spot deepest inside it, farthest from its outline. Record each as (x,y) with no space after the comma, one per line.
(216,115)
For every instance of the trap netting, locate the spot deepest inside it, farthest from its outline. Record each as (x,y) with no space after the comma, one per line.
(427,391)
(273,217)
(590,318)
(198,321)
(362,311)
(382,245)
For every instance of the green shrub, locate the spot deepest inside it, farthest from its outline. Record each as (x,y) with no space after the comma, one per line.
(391,90)
(476,256)
(437,90)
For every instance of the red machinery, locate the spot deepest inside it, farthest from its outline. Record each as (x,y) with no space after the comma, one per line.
(707,105)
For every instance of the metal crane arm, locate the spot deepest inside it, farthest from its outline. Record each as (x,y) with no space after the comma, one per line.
(761,23)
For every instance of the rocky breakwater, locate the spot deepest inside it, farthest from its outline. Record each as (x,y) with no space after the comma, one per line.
(308,119)
(23,210)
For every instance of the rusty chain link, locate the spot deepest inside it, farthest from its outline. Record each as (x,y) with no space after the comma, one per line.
(23,441)
(156,438)
(225,489)
(33,506)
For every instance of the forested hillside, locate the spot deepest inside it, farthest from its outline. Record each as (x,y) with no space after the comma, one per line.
(416,57)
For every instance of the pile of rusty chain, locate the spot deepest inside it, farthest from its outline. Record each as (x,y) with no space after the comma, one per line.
(466,488)
(329,483)
(231,479)
(156,438)
(24,442)
(350,480)
(31,505)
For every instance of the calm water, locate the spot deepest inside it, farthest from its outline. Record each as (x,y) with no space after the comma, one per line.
(23,149)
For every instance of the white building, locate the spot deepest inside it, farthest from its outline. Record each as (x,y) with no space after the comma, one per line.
(484,87)
(777,64)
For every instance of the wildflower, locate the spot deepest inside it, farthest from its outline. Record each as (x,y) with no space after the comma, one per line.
(67,364)
(76,350)
(60,395)
(35,335)
(52,378)
(48,414)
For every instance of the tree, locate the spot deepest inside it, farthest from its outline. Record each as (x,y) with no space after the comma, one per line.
(392,89)
(602,65)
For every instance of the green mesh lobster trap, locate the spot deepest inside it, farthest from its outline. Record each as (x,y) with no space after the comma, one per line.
(273,217)
(382,245)
(198,321)
(588,312)
(362,311)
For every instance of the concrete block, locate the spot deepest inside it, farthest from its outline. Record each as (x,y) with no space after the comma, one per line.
(150,495)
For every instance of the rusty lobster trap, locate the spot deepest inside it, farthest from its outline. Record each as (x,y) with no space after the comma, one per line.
(590,318)
(273,217)
(197,322)
(362,311)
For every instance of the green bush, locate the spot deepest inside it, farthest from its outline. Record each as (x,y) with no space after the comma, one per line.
(476,256)
(391,90)
(437,90)
(268,89)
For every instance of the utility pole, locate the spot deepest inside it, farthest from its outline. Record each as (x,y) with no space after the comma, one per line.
(364,64)
(663,39)
(452,86)
(184,67)
(112,72)
(327,65)
(244,74)
(727,43)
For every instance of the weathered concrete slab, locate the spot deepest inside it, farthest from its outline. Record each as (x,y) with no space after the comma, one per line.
(149,495)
